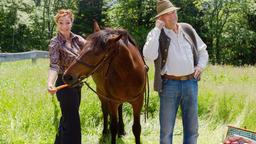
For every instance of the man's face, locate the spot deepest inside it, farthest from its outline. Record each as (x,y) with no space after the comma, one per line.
(170,17)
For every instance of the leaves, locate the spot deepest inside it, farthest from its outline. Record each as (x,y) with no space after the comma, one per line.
(228,27)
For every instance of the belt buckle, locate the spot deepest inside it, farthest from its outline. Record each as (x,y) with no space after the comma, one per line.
(183,78)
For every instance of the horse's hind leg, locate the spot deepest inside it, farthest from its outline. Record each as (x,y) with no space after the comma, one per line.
(121,131)
(105,112)
(136,127)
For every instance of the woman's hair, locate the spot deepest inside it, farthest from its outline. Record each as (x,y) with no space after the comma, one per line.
(62,13)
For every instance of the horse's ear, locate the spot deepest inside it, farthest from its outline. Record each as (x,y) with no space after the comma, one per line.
(96,26)
(115,38)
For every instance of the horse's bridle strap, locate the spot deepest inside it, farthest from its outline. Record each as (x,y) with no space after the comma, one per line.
(85,64)
(106,57)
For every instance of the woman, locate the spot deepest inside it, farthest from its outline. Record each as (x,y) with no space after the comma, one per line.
(63,48)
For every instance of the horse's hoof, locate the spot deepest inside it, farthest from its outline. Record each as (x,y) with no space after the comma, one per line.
(122,133)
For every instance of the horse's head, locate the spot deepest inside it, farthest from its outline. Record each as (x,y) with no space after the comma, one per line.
(99,48)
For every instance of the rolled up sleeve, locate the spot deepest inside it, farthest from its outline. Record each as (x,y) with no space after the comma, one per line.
(203,56)
(54,55)
(150,49)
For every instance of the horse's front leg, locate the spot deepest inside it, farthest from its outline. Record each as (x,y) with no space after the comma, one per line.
(136,127)
(105,112)
(112,107)
(121,131)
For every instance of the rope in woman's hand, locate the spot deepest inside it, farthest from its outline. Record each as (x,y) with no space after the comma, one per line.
(61,87)
(53,90)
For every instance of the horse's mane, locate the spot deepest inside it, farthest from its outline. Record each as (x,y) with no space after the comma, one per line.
(97,39)
(100,38)
(126,36)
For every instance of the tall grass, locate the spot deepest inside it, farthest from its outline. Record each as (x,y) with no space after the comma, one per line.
(227,95)
(29,115)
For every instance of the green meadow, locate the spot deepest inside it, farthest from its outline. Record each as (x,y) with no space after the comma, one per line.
(29,115)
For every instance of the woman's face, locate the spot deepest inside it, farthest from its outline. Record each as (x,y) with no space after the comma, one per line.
(64,24)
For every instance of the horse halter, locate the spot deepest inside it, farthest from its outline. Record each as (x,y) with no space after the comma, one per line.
(94,68)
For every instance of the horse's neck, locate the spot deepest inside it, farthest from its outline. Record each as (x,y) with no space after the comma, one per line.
(126,58)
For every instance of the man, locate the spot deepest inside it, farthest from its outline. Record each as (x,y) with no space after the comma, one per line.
(180,57)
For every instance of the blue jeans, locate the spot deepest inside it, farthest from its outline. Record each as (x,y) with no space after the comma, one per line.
(174,94)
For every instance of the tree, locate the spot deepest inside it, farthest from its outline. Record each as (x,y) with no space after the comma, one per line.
(189,13)
(13,31)
(227,32)
(88,10)
(134,15)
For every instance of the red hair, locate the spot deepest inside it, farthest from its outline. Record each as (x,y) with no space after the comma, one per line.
(62,13)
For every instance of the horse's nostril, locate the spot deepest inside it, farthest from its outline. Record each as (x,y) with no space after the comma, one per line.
(68,78)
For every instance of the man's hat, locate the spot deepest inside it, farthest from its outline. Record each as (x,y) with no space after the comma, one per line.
(164,6)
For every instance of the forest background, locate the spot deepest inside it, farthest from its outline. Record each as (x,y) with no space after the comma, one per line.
(228,27)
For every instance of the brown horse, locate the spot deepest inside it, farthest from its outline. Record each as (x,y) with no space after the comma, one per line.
(118,70)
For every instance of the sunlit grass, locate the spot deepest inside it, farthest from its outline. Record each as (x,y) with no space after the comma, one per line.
(28,114)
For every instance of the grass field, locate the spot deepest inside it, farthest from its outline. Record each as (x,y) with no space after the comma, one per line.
(29,115)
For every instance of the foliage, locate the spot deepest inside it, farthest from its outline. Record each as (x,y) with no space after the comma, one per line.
(88,10)
(189,13)
(14,34)
(227,34)
(136,16)
(28,25)
(228,27)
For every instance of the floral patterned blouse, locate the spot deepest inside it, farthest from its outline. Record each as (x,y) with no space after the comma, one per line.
(60,55)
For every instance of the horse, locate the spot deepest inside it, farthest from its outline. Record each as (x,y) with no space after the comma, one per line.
(115,63)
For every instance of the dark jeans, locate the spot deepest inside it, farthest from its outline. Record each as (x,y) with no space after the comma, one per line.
(69,127)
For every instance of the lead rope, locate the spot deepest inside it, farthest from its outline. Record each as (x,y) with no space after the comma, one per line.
(146,94)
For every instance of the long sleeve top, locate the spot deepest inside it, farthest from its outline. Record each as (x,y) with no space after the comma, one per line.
(60,55)
(180,57)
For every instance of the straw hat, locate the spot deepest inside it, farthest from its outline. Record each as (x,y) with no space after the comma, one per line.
(164,6)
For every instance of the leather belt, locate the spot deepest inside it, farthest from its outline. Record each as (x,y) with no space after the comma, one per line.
(172,77)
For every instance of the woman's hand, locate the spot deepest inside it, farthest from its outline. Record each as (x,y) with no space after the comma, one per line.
(52,77)
(52,90)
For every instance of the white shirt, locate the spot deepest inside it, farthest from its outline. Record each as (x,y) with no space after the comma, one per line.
(180,57)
